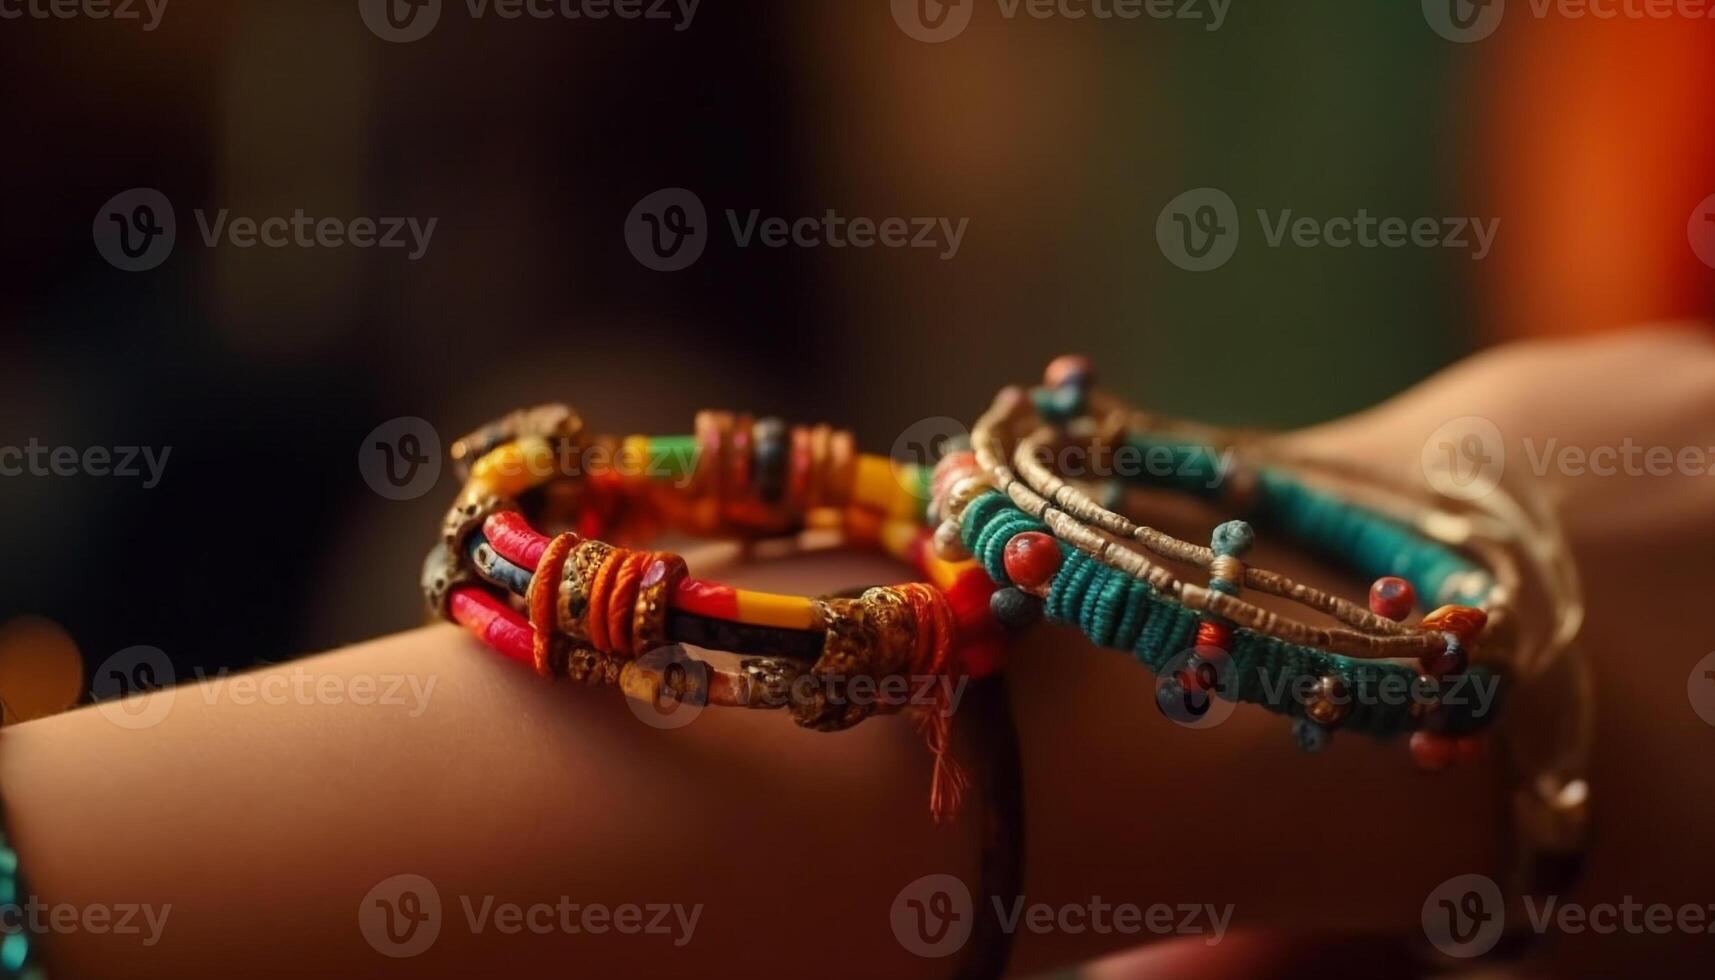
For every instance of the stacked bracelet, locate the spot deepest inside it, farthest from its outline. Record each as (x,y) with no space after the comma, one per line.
(1055,550)
(596,609)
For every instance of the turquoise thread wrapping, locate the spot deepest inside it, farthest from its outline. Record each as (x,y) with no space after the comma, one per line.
(1120,612)
(1364,542)
(1369,544)
(18,950)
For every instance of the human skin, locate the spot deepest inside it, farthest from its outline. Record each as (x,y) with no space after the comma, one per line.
(266,825)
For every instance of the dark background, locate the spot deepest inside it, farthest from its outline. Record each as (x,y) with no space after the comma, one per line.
(530,142)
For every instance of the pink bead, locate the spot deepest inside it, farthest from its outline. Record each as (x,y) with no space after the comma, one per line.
(1392,597)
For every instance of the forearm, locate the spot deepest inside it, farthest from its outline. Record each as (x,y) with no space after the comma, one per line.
(266,825)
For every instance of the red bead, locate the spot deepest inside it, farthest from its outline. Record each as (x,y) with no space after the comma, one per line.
(1392,597)
(1067,368)
(984,657)
(1452,659)
(1031,559)
(1432,752)
(1213,634)
(1468,748)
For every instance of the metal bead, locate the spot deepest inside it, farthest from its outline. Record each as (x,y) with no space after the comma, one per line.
(965,490)
(947,542)
(443,572)
(1330,703)
(467,514)
(768,681)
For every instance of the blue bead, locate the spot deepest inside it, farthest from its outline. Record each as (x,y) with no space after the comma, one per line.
(1062,404)
(1179,704)
(1310,736)
(1233,538)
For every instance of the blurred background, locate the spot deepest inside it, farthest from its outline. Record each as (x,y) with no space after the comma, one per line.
(1061,143)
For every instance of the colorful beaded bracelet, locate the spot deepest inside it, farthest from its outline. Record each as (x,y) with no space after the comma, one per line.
(574,605)
(1056,551)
